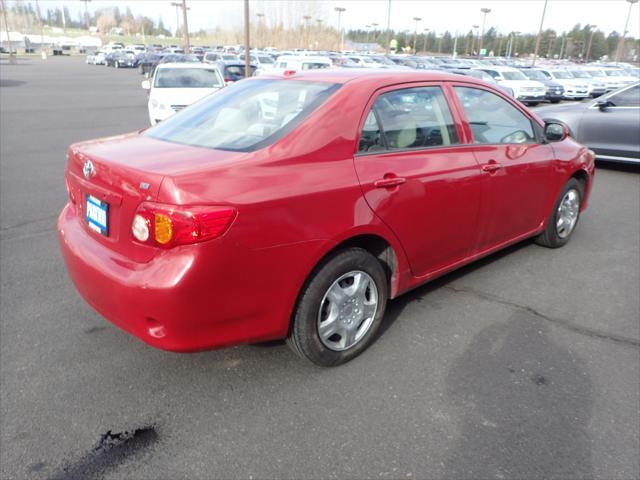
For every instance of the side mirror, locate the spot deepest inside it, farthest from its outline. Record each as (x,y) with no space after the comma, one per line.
(555,132)
(146,84)
(603,104)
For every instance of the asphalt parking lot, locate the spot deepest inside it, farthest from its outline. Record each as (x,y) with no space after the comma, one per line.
(525,365)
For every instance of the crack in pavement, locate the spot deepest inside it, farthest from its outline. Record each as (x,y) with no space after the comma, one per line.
(28,222)
(633,342)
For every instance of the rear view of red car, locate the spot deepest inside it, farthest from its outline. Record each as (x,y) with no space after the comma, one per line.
(297,206)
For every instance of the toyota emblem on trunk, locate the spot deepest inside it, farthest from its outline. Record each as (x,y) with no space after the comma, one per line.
(88,169)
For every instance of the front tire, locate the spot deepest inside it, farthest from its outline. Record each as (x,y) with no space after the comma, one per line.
(340,308)
(116,65)
(564,216)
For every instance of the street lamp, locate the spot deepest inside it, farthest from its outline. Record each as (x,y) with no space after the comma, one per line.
(340,10)
(535,51)
(368,28)
(593,30)
(374,26)
(620,49)
(473,39)
(388,36)
(86,13)
(484,18)
(424,47)
(306,19)
(512,44)
(415,33)
(260,40)
(177,5)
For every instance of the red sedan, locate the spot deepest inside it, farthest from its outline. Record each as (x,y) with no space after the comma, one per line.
(295,206)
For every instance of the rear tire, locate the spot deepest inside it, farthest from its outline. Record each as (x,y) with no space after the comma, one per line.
(345,299)
(564,217)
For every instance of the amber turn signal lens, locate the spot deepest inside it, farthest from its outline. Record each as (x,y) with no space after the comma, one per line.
(163,228)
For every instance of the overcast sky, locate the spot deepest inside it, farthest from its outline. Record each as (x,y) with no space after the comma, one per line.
(438,15)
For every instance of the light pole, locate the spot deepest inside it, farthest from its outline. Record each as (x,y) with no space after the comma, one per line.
(535,51)
(592,28)
(424,46)
(388,38)
(415,32)
(86,13)
(306,19)
(368,28)
(247,41)
(484,18)
(12,55)
(340,10)
(177,5)
(620,49)
(185,28)
(373,26)
(512,43)
(260,40)
(476,36)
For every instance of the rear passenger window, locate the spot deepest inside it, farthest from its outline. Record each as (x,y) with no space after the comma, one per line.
(371,138)
(409,118)
(493,120)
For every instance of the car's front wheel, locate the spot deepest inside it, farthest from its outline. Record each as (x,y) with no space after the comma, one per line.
(340,308)
(564,217)
(117,64)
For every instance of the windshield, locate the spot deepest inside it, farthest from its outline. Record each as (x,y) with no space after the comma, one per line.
(513,76)
(188,78)
(579,74)
(562,75)
(266,59)
(613,73)
(314,65)
(245,116)
(535,75)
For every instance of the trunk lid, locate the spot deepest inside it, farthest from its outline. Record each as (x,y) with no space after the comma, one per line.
(127,170)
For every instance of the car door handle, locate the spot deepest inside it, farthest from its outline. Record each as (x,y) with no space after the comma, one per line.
(389,182)
(491,167)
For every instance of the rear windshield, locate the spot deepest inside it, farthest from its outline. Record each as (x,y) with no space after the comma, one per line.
(535,75)
(562,75)
(513,76)
(236,72)
(188,78)
(245,116)
(579,74)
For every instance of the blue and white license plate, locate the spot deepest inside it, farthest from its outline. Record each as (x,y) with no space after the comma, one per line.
(98,215)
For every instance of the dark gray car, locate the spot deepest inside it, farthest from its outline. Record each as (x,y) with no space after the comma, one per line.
(610,125)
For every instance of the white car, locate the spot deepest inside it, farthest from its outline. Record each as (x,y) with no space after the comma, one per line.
(612,82)
(178,85)
(597,87)
(262,60)
(574,88)
(530,92)
(296,62)
(364,61)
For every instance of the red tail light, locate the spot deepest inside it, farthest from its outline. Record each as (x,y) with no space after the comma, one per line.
(168,226)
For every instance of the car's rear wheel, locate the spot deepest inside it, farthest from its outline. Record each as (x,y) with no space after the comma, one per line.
(564,217)
(340,308)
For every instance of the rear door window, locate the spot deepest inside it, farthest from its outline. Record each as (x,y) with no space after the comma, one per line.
(410,118)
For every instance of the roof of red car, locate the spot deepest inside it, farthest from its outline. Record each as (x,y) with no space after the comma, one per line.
(344,75)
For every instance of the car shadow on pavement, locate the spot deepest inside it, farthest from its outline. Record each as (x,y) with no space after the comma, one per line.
(396,306)
(524,405)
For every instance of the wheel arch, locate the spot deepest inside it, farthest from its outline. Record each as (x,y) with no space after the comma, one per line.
(393,262)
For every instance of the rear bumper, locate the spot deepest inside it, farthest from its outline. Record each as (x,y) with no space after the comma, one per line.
(189,298)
